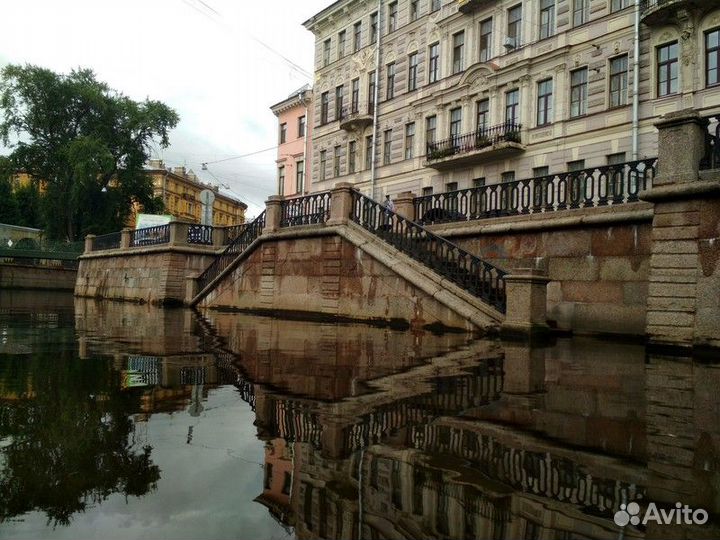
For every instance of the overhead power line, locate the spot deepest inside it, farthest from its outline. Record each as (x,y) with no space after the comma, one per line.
(206,163)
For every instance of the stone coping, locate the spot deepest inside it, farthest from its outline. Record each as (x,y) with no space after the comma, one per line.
(150,250)
(686,190)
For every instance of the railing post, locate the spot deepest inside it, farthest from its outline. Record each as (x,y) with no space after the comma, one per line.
(681,147)
(526,293)
(89,243)
(178,233)
(404,205)
(273,213)
(340,203)
(125,238)
(218,235)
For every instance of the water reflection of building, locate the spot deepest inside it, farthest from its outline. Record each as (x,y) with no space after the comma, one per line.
(279,470)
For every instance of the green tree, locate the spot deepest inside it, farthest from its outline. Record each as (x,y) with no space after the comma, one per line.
(8,205)
(86,142)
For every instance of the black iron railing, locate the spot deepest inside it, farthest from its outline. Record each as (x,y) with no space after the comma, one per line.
(476,140)
(306,210)
(599,186)
(107,241)
(200,234)
(232,232)
(469,272)
(711,159)
(240,244)
(150,236)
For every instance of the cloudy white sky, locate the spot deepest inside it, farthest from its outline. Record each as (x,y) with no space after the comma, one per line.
(211,60)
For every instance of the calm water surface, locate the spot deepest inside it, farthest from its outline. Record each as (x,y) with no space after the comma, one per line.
(127,421)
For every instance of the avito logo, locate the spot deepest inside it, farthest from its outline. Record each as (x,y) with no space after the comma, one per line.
(680,515)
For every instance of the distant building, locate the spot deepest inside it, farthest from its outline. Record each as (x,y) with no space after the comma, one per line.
(180,191)
(294,146)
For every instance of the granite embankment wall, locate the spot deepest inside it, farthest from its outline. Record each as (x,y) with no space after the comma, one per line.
(21,276)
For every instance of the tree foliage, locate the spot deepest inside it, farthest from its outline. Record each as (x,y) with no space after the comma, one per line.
(85,142)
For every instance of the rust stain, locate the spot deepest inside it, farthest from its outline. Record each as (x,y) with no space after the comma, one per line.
(709,255)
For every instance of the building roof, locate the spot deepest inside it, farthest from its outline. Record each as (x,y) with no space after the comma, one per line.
(312,21)
(299,97)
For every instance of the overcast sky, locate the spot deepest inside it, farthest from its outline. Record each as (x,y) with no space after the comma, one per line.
(218,63)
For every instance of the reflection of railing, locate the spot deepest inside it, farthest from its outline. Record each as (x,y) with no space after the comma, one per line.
(711,159)
(306,210)
(240,244)
(475,140)
(107,241)
(469,272)
(599,186)
(200,234)
(295,422)
(150,236)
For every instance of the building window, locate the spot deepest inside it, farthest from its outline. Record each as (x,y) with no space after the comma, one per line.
(458,52)
(281,180)
(544,102)
(486,40)
(514,27)
(507,176)
(323,164)
(434,64)
(455,123)
(410,140)
(300,177)
(283,133)
(618,81)
(547,18)
(390,88)
(581,12)
(435,5)
(426,191)
(326,52)
(451,186)
(413,10)
(355,95)
(539,172)
(368,151)
(392,17)
(478,182)
(712,57)
(341,44)
(352,153)
(483,113)
(578,92)
(575,166)
(512,102)
(301,126)
(617,5)
(373,27)
(357,33)
(339,91)
(430,129)
(412,71)
(336,161)
(371,92)
(667,69)
(387,146)
(616,159)
(324,106)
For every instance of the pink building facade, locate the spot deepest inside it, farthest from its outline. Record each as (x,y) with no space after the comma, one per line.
(294,143)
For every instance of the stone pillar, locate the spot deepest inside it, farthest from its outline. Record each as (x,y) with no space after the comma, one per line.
(273,213)
(526,315)
(683,307)
(125,238)
(218,237)
(178,233)
(340,203)
(89,241)
(191,288)
(404,205)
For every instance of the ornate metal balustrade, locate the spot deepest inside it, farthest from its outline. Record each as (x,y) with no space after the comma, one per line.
(598,186)
(200,234)
(240,244)
(306,210)
(469,272)
(150,236)
(711,159)
(107,241)
(475,140)
(232,232)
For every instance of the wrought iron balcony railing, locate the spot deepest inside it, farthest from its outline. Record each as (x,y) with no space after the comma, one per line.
(475,140)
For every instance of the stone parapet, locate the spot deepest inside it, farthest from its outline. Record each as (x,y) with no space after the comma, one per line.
(681,144)
(526,314)
(340,203)
(273,213)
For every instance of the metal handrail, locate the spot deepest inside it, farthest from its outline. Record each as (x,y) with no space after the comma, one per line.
(240,244)
(466,270)
(475,140)
(307,210)
(200,234)
(107,241)
(598,186)
(150,236)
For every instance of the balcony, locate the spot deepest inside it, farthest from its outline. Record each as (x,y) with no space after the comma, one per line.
(660,12)
(479,146)
(356,119)
(468,6)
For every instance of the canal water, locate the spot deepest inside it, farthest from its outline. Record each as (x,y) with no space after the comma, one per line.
(129,421)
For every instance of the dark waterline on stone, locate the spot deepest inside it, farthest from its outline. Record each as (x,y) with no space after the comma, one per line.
(128,421)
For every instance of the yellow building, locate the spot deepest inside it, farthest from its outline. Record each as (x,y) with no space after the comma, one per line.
(180,191)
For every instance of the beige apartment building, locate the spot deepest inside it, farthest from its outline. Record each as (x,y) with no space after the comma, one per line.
(470,92)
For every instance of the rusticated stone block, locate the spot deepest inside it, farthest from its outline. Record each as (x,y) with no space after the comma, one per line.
(676,219)
(670,318)
(621,241)
(591,291)
(634,268)
(575,243)
(573,268)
